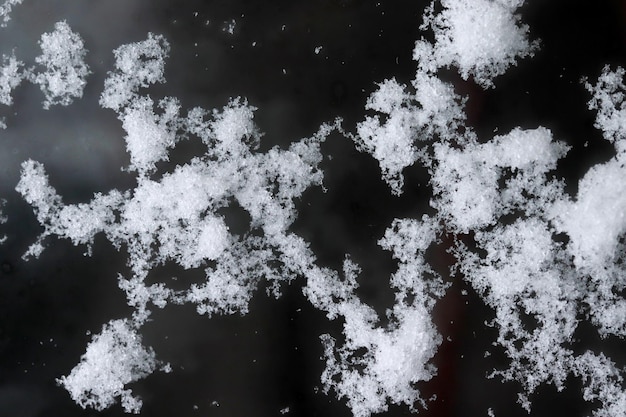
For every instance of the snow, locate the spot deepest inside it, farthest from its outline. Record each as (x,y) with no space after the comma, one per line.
(114,358)
(137,65)
(518,268)
(10,78)
(482,38)
(499,197)
(65,71)
(5,10)
(61,70)
(174,216)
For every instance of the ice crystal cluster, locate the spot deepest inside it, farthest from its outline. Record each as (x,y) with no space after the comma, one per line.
(5,10)
(61,71)
(526,246)
(3,219)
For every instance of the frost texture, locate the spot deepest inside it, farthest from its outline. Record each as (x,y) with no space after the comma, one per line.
(378,365)
(482,38)
(10,78)
(178,216)
(501,196)
(138,65)
(5,10)
(61,73)
(114,358)
(63,57)
(409,120)
(541,259)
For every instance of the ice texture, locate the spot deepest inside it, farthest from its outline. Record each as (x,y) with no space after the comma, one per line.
(60,72)
(114,358)
(378,365)
(5,10)
(10,77)
(501,194)
(541,259)
(64,69)
(177,216)
(482,38)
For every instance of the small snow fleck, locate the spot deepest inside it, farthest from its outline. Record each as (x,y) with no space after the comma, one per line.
(229,26)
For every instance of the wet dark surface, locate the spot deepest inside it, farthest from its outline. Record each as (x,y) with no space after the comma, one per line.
(268,360)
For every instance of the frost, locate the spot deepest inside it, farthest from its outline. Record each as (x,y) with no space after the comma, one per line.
(75,222)
(466,181)
(409,120)
(608,99)
(596,220)
(376,365)
(63,58)
(501,196)
(5,10)
(138,65)
(482,38)
(114,358)
(178,215)
(176,218)
(61,69)
(542,260)
(10,78)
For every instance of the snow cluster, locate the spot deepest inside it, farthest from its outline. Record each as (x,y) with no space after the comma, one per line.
(526,247)
(509,213)
(178,216)
(113,359)
(5,10)
(61,70)
(10,78)
(482,38)
(378,365)
(64,70)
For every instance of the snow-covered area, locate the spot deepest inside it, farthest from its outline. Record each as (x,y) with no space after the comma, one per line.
(114,358)
(481,38)
(9,78)
(545,259)
(5,10)
(65,73)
